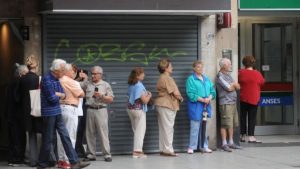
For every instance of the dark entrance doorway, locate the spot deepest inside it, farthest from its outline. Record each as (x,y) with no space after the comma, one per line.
(11,52)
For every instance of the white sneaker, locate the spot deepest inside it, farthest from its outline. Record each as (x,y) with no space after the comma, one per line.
(190,151)
(207,150)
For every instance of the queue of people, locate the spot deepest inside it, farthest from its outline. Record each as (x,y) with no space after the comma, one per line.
(67,94)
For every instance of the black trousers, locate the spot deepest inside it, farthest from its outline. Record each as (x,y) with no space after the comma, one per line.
(17,140)
(80,138)
(248,111)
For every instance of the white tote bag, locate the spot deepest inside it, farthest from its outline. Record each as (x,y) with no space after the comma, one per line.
(35,101)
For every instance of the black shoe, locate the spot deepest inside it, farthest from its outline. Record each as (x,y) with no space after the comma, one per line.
(80,152)
(81,155)
(108,159)
(89,159)
(17,164)
(33,165)
(80,164)
(38,167)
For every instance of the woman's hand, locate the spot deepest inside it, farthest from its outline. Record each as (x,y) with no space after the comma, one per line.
(149,94)
(146,97)
(82,75)
(205,100)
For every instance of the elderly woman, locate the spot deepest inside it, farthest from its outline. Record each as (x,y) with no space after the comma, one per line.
(167,104)
(15,119)
(250,81)
(138,97)
(200,91)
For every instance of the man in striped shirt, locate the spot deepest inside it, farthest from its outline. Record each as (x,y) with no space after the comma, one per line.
(51,93)
(226,87)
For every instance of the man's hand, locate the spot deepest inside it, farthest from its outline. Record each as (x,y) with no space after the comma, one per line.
(60,95)
(97,94)
(237,86)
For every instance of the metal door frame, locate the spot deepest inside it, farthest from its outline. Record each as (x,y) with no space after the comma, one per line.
(246,47)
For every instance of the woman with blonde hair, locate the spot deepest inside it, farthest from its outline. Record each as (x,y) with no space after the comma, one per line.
(32,63)
(33,125)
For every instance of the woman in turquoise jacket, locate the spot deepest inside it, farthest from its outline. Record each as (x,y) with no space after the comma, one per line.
(200,91)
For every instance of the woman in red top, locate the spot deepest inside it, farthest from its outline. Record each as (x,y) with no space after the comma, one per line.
(250,81)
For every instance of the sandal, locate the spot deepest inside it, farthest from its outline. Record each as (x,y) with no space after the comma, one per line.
(168,154)
(255,141)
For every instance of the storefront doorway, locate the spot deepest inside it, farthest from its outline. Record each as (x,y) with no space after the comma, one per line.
(273,43)
(11,52)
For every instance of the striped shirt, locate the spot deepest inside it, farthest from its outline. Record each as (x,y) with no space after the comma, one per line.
(223,83)
(50,105)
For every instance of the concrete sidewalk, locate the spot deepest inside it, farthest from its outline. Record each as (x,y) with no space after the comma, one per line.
(277,152)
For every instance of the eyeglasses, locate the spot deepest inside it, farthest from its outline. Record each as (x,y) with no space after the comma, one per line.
(93,74)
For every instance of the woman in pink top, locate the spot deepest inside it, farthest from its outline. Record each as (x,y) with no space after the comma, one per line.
(250,81)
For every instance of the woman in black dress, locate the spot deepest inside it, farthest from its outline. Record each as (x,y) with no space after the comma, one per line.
(33,124)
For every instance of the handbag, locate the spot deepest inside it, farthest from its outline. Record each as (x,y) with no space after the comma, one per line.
(35,101)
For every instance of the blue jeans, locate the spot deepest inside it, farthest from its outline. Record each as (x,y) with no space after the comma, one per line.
(195,135)
(51,124)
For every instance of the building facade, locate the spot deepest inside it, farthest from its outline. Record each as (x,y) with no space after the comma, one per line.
(120,36)
(269,30)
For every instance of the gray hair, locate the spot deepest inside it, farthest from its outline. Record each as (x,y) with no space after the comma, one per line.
(57,63)
(223,61)
(97,68)
(68,67)
(22,70)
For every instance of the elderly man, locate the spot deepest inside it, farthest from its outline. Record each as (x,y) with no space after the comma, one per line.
(226,88)
(69,108)
(51,93)
(98,94)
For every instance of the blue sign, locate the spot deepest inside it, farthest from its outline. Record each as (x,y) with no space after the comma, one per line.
(276,100)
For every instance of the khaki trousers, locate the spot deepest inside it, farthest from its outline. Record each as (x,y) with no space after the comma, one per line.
(166,119)
(138,124)
(97,123)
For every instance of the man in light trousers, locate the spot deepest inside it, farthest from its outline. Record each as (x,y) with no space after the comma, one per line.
(98,94)
(69,107)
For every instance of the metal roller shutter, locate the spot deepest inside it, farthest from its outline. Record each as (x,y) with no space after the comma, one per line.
(119,43)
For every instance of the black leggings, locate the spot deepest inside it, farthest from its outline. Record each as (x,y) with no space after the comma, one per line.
(250,111)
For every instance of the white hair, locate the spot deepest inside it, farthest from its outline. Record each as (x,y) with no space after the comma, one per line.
(68,67)
(22,70)
(97,68)
(223,61)
(57,63)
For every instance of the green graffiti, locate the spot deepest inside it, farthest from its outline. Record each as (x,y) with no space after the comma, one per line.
(137,56)
(106,52)
(59,45)
(87,53)
(134,52)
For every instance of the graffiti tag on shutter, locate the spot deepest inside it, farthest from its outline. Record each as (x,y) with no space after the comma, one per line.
(89,53)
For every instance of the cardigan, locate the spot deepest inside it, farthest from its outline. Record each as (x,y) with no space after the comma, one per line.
(250,82)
